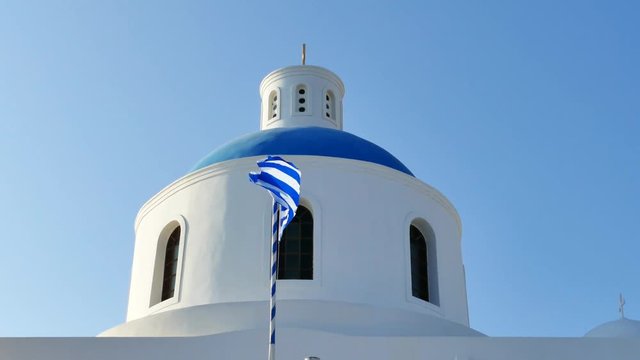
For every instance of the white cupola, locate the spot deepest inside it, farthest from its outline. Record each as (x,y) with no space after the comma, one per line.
(301,95)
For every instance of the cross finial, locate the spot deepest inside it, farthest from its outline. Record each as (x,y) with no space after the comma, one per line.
(304,54)
(621,308)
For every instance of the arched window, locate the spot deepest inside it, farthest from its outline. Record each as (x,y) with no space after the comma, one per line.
(329,105)
(274,105)
(167,267)
(419,265)
(295,252)
(170,265)
(300,105)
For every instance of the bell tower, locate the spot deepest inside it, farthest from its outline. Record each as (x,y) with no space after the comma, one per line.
(302,95)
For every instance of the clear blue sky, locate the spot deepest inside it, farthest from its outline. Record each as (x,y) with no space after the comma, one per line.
(526,115)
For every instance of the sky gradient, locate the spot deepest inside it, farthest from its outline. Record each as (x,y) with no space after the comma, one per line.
(525,115)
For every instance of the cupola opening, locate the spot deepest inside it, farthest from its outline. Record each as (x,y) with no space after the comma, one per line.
(274,105)
(300,104)
(329,105)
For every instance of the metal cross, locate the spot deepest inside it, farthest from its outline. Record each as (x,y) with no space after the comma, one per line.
(304,54)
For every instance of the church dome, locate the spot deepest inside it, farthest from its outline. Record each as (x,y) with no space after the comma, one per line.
(621,328)
(311,140)
(201,259)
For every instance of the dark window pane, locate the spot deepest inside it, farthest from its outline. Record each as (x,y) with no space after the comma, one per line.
(307,228)
(293,230)
(292,260)
(170,265)
(307,274)
(306,246)
(295,255)
(419,275)
(293,245)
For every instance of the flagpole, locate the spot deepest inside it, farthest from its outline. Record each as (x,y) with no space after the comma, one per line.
(275,236)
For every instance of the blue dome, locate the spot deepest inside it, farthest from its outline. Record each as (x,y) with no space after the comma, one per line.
(315,141)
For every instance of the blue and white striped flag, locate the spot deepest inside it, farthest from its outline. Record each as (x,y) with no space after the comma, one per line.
(282,179)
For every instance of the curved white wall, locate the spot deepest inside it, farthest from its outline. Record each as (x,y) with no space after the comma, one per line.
(362,212)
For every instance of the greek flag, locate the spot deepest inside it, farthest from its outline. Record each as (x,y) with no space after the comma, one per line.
(282,179)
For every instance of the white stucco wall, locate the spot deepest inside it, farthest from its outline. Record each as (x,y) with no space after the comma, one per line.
(328,316)
(362,212)
(296,344)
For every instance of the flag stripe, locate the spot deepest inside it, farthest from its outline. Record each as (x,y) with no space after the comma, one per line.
(277,173)
(280,185)
(276,160)
(280,197)
(294,174)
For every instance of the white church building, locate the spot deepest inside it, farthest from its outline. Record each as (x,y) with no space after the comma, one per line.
(370,268)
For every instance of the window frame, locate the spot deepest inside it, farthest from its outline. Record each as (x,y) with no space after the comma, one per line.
(155,297)
(287,285)
(432,264)
(299,252)
(418,248)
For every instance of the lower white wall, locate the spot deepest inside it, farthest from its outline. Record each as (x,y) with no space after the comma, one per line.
(295,344)
(327,316)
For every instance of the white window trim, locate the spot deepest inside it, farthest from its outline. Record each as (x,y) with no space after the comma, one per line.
(158,272)
(314,206)
(433,268)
